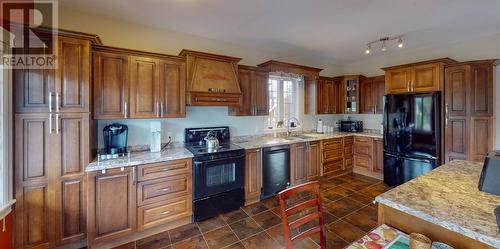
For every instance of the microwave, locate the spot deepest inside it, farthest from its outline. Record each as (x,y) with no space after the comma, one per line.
(351,126)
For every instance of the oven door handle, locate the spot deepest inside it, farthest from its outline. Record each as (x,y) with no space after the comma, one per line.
(219,159)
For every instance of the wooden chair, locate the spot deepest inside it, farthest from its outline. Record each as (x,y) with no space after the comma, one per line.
(286,212)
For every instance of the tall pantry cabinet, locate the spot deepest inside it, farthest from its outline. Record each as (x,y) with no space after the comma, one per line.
(52,146)
(468,110)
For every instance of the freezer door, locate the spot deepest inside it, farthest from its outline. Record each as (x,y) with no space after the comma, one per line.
(398,170)
(423,139)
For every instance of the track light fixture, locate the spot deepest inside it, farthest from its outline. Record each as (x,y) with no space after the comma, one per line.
(384,41)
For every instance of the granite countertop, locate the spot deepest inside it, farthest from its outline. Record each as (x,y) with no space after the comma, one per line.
(449,197)
(143,157)
(253,142)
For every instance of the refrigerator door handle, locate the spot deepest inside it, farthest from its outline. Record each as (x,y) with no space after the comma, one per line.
(446,116)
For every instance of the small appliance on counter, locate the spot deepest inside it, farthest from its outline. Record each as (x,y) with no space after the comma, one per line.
(115,138)
(489,180)
(155,145)
(319,126)
(218,171)
(350,126)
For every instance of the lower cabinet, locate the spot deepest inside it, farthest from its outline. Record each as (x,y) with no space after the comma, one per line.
(253,176)
(305,162)
(123,202)
(332,156)
(368,156)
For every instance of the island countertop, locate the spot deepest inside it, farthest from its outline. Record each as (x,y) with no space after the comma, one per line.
(449,197)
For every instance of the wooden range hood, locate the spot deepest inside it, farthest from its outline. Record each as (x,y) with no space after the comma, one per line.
(212,80)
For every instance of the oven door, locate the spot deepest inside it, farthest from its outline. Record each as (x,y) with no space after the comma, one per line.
(212,177)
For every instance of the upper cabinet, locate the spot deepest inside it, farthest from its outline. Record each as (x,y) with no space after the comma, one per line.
(212,80)
(132,84)
(65,89)
(371,95)
(254,89)
(426,76)
(351,93)
(329,95)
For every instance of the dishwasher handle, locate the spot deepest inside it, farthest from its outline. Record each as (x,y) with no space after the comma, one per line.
(275,149)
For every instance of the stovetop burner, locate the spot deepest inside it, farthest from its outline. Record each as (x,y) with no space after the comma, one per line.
(197,149)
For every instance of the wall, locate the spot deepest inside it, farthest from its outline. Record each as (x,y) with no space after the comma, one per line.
(487,47)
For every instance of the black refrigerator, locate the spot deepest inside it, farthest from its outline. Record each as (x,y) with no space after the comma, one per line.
(411,136)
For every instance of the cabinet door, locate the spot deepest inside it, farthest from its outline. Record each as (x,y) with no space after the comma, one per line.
(338,97)
(481,92)
(72,154)
(252,176)
(378,155)
(456,90)
(245,79)
(111,85)
(398,80)
(33,88)
(314,160)
(261,93)
(144,87)
(112,204)
(173,89)
(73,75)
(456,137)
(481,137)
(299,163)
(426,78)
(366,98)
(378,94)
(34,144)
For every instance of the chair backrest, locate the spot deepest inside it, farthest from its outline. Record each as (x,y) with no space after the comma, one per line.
(312,187)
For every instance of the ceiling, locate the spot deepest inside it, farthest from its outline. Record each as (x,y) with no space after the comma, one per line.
(332,30)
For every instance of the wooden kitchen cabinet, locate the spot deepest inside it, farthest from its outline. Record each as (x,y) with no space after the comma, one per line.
(253,176)
(332,156)
(110,84)
(65,89)
(351,93)
(348,153)
(378,155)
(132,84)
(305,162)
(329,95)
(144,87)
(52,151)
(254,88)
(468,116)
(111,204)
(425,76)
(372,92)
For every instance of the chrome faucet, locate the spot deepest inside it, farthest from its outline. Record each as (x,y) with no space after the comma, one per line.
(288,124)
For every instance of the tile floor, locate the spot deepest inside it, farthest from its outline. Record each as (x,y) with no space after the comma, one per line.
(348,212)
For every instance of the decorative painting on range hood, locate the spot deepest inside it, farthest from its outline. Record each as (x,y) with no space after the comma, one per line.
(212,80)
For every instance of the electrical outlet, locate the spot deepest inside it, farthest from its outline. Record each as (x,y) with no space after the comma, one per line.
(170,137)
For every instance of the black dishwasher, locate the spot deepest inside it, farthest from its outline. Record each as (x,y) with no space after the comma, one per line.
(275,170)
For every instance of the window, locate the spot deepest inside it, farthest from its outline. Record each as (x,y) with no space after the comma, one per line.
(285,99)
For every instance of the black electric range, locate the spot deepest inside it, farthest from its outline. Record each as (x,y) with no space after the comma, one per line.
(218,173)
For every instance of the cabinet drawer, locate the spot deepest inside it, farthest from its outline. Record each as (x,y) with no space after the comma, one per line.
(332,144)
(163,189)
(363,149)
(362,140)
(329,155)
(362,162)
(348,151)
(348,141)
(163,212)
(158,170)
(332,166)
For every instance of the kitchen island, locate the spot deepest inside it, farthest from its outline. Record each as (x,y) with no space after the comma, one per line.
(444,205)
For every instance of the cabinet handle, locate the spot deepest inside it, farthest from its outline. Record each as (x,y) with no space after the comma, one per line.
(57,123)
(164,212)
(133,175)
(408,86)
(412,86)
(164,189)
(157,109)
(50,123)
(446,116)
(50,101)
(125,109)
(161,108)
(57,101)
(166,169)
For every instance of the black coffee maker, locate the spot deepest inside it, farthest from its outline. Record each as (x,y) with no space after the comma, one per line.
(115,138)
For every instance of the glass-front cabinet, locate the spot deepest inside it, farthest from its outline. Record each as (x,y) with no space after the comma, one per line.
(351,93)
